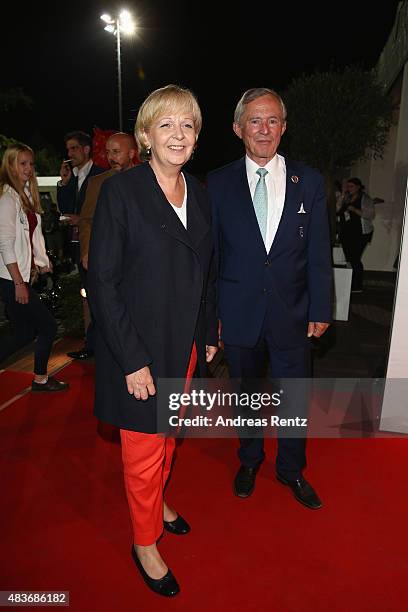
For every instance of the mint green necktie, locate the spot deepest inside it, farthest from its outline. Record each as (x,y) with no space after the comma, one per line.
(261,201)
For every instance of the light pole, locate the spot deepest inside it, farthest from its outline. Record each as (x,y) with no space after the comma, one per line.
(123,23)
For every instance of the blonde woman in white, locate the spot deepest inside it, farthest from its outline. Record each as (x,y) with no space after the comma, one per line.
(22,256)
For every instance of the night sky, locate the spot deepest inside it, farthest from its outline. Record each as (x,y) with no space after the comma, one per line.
(61,56)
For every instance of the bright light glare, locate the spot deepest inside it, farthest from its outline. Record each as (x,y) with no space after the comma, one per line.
(110,28)
(106,18)
(127,28)
(125,16)
(127,25)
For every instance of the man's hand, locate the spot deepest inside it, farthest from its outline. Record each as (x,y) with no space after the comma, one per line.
(140,384)
(65,173)
(210,352)
(73,219)
(84,261)
(316,329)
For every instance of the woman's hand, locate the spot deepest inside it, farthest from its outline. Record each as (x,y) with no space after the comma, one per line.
(210,352)
(46,269)
(22,293)
(140,384)
(354,210)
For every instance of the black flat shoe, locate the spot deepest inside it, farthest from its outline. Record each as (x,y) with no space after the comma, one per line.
(166,586)
(51,385)
(179,526)
(303,492)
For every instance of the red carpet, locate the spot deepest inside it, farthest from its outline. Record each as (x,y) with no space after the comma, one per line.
(12,383)
(65,524)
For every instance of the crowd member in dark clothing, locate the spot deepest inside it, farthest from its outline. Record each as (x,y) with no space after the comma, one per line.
(22,257)
(75,173)
(356,213)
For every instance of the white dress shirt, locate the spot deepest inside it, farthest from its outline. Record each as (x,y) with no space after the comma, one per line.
(181,211)
(276,186)
(82,173)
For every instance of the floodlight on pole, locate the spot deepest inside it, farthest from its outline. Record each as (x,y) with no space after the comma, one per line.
(125,24)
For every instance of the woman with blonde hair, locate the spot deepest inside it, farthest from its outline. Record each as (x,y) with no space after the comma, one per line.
(151,286)
(22,257)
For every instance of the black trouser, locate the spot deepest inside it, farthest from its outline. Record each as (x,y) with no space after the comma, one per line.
(30,320)
(353,247)
(247,364)
(90,330)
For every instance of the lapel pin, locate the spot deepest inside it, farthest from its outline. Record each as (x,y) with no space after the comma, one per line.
(301,231)
(301,210)
(294,178)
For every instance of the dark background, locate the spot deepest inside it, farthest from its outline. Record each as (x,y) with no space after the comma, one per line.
(61,56)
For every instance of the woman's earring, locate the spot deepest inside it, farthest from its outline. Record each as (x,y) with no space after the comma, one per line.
(148,151)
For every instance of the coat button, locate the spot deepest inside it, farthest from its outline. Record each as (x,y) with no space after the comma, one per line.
(163,226)
(267,262)
(264,290)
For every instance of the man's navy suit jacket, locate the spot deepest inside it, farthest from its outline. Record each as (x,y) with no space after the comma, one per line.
(293,280)
(69,201)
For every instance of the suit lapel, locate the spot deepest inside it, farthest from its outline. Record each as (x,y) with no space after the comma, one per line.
(293,192)
(81,192)
(245,204)
(167,217)
(197,226)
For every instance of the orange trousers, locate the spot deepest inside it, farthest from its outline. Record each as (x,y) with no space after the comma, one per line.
(147,460)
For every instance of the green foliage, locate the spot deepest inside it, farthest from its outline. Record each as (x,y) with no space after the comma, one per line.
(13,99)
(47,162)
(335,117)
(5,142)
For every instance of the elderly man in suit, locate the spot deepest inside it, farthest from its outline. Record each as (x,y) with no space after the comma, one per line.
(274,288)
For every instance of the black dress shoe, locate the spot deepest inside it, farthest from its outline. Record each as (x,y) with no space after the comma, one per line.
(244,482)
(179,526)
(303,492)
(166,586)
(82,354)
(52,384)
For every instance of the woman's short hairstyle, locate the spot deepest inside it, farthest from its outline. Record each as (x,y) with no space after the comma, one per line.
(8,176)
(165,100)
(252,94)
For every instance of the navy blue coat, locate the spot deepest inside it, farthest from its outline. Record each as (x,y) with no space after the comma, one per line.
(151,288)
(294,279)
(69,201)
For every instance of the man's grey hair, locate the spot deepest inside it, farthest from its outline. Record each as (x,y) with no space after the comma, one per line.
(252,94)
